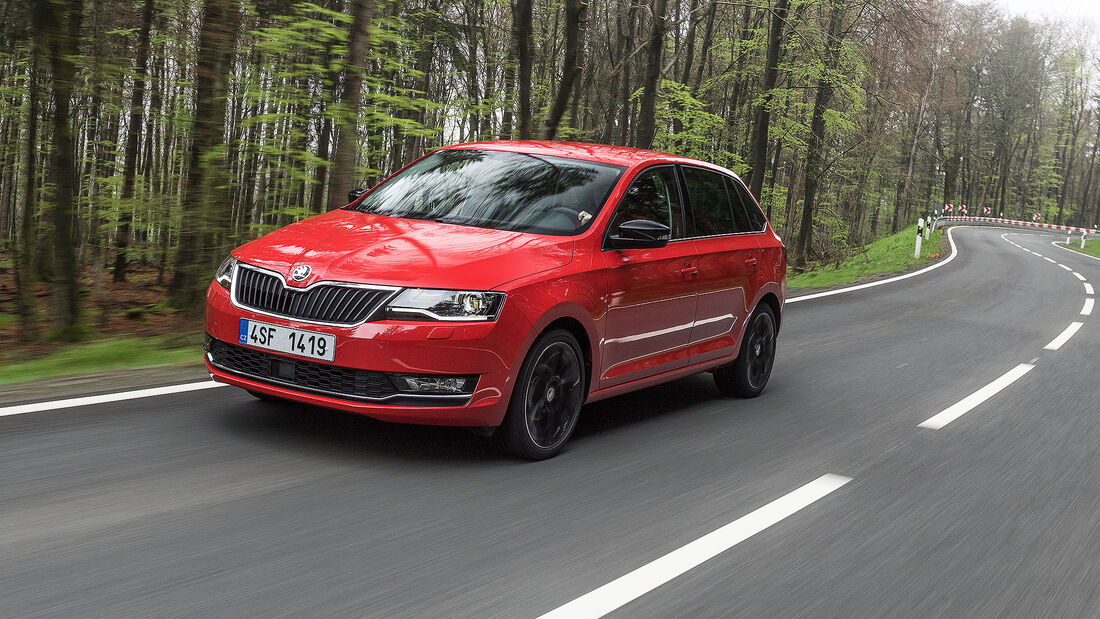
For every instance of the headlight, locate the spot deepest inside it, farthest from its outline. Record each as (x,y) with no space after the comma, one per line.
(428,304)
(224,274)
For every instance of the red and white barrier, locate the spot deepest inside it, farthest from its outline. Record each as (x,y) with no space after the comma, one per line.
(1014,222)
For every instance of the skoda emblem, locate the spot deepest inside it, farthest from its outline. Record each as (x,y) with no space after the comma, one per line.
(300,272)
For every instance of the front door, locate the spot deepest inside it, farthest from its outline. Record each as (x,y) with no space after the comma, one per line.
(651,292)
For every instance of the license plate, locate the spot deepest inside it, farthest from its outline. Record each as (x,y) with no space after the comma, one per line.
(287,340)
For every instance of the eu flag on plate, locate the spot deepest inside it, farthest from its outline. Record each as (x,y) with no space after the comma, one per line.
(242,337)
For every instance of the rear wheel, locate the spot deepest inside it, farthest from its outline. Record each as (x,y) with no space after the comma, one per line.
(747,376)
(547,398)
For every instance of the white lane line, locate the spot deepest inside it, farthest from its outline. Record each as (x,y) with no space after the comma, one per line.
(107,397)
(622,590)
(968,403)
(829,293)
(1050,260)
(1057,342)
(1079,276)
(1087,309)
(1072,251)
(1065,267)
(1088,289)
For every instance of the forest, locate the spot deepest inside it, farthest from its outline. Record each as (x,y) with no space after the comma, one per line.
(150,137)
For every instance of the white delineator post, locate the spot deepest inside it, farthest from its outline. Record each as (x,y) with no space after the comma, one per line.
(920,232)
(1082,239)
(928,228)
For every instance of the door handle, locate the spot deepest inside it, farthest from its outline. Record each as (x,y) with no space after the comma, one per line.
(751,263)
(689,272)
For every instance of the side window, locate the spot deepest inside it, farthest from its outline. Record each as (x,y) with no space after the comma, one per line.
(653,196)
(710,204)
(739,193)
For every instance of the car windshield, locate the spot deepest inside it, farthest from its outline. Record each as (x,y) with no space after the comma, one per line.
(499,190)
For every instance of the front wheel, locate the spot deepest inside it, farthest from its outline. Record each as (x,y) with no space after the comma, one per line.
(747,376)
(547,398)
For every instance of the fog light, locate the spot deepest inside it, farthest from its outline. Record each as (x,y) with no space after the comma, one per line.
(435,384)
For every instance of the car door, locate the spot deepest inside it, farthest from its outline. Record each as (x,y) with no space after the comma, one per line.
(726,252)
(650,292)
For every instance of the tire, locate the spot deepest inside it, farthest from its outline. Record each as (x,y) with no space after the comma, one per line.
(748,375)
(547,398)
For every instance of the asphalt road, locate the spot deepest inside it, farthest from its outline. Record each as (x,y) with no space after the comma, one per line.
(210,503)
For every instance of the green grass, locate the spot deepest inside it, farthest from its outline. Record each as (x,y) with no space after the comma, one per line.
(104,355)
(7,320)
(1092,247)
(891,253)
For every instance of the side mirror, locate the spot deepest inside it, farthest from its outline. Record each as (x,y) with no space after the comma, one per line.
(640,234)
(354,194)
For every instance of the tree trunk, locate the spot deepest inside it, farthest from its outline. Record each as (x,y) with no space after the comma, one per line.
(758,149)
(204,211)
(133,139)
(647,117)
(61,29)
(814,155)
(574,17)
(521,33)
(24,255)
(342,178)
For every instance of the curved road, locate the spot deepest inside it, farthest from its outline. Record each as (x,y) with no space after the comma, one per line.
(210,503)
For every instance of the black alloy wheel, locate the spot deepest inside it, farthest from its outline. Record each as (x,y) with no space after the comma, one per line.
(748,375)
(547,398)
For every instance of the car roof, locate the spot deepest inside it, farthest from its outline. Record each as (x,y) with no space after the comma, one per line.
(618,155)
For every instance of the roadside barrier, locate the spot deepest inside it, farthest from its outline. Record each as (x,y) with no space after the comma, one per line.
(1069,230)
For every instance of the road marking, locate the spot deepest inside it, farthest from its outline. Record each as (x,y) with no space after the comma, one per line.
(1079,276)
(1050,260)
(1057,342)
(626,588)
(1088,289)
(1065,267)
(1072,251)
(106,397)
(968,403)
(829,293)
(1087,309)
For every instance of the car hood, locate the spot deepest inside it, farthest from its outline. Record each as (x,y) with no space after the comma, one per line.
(347,246)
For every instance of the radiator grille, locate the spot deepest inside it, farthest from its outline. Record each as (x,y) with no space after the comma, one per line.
(325,303)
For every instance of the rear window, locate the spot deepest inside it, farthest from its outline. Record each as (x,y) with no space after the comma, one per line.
(498,190)
(743,198)
(711,209)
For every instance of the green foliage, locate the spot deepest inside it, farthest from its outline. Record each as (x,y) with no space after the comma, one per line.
(886,255)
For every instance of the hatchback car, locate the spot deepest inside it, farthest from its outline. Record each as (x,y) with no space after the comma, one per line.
(504,285)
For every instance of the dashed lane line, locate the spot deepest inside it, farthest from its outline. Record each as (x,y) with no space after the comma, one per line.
(1079,276)
(968,403)
(1088,288)
(1087,309)
(627,588)
(1057,342)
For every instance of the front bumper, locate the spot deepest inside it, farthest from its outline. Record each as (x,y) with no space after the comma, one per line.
(367,355)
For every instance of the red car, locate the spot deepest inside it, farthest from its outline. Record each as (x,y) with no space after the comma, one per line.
(503,285)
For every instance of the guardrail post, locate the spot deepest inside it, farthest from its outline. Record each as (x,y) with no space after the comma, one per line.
(920,233)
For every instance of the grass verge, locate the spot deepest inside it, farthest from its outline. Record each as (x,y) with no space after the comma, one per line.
(888,254)
(1092,247)
(105,355)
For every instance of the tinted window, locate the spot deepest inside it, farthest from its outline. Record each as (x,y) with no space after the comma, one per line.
(710,204)
(743,199)
(652,195)
(501,190)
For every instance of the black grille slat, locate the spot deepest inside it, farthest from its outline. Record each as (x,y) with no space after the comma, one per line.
(325,303)
(307,374)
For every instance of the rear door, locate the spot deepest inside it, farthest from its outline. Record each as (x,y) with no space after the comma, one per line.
(726,254)
(651,292)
